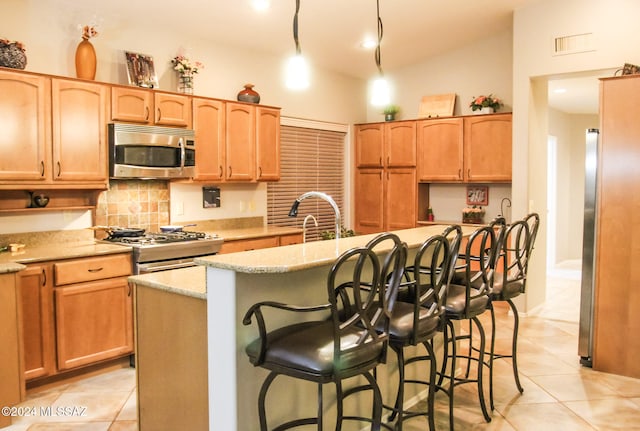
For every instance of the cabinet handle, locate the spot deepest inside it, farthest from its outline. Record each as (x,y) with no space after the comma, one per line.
(259,172)
(469,173)
(459,174)
(42,168)
(380,174)
(220,171)
(380,161)
(230,172)
(95,269)
(388,160)
(159,115)
(44,277)
(146,116)
(59,168)
(130,289)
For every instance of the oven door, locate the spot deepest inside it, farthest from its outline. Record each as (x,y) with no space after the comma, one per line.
(164,265)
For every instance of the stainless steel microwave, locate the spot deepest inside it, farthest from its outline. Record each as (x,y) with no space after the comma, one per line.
(150,152)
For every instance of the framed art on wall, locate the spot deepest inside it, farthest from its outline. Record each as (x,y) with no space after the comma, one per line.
(140,70)
(478,195)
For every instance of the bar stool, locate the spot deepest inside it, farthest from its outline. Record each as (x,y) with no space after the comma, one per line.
(349,340)
(418,317)
(467,297)
(510,281)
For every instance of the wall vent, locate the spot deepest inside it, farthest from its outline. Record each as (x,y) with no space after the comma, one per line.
(573,44)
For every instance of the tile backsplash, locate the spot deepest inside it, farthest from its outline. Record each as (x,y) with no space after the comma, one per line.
(134,203)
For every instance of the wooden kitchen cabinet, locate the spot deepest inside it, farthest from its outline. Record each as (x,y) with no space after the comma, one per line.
(487,148)
(385,183)
(75,312)
(385,199)
(391,144)
(440,150)
(209,127)
(79,118)
(146,106)
(11,375)
(36,292)
(240,142)
(616,320)
(249,244)
(25,101)
(267,144)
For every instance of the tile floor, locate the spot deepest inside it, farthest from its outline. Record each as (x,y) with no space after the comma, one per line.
(559,394)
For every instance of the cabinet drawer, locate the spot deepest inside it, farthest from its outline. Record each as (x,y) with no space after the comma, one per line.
(249,244)
(291,239)
(93,268)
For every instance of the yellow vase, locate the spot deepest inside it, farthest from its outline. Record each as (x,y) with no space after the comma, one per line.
(85,60)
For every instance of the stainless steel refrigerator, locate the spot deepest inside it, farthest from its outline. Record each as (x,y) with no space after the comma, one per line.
(585,335)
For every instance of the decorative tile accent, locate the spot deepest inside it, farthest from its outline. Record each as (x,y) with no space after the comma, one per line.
(134,203)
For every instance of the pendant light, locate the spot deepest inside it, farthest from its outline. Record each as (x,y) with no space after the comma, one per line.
(297,74)
(380,91)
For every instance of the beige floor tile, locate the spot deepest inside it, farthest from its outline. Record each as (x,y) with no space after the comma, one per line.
(89,406)
(124,426)
(547,417)
(574,387)
(86,426)
(623,386)
(129,411)
(122,380)
(600,413)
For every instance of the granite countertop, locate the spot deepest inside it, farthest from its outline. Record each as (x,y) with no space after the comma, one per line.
(302,256)
(6,268)
(234,234)
(184,281)
(32,254)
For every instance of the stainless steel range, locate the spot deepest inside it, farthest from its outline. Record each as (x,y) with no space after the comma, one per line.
(154,252)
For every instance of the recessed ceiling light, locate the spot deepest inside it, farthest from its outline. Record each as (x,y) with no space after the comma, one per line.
(368,43)
(260,5)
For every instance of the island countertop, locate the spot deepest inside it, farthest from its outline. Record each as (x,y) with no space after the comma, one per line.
(312,254)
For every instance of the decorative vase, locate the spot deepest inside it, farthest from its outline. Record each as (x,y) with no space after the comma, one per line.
(85,60)
(487,110)
(12,55)
(248,94)
(185,83)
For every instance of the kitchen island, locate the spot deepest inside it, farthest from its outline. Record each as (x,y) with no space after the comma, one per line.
(294,274)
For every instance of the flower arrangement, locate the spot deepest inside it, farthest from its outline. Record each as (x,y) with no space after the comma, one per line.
(88,31)
(12,54)
(184,66)
(489,101)
(7,42)
(473,215)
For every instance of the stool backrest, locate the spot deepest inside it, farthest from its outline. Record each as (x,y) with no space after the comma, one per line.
(515,253)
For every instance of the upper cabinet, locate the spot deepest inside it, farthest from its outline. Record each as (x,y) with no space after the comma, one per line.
(440,150)
(209,126)
(140,105)
(469,149)
(390,144)
(61,141)
(487,148)
(240,142)
(267,144)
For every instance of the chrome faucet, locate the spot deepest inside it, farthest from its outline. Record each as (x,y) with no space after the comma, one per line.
(304,226)
(294,208)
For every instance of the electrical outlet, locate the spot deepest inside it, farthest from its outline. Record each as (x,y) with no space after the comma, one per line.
(252,206)
(179,208)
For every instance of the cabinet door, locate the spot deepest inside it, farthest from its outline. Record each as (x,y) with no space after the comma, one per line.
(369,201)
(400,198)
(209,125)
(240,142)
(79,112)
(249,244)
(172,110)
(11,389)
(370,145)
(93,322)
(400,144)
(26,128)
(132,105)
(487,148)
(440,150)
(36,291)
(267,144)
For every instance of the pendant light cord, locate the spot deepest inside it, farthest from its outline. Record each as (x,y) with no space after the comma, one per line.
(378,55)
(295,28)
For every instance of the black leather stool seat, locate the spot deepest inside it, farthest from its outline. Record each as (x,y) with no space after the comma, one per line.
(306,349)
(502,291)
(401,324)
(457,302)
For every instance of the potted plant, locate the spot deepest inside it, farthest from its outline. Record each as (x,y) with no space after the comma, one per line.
(485,104)
(390,112)
(344,233)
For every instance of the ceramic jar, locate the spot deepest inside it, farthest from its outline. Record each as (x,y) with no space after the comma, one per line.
(248,94)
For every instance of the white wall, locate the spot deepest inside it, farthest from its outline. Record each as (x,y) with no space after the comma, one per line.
(535,27)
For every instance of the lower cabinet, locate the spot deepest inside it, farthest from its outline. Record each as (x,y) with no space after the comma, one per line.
(385,199)
(75,312)
(235,246)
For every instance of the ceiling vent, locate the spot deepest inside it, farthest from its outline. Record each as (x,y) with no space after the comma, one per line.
(573,44)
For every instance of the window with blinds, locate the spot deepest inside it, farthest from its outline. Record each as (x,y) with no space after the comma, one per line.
(310,160)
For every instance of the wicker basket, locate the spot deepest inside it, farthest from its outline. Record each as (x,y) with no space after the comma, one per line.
(11,55)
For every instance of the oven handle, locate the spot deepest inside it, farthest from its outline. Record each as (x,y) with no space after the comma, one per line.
(148,268)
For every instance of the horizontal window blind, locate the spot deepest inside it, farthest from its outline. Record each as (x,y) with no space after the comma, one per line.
(310,160)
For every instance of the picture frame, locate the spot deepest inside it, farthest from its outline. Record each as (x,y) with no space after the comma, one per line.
(140,70)
(439,105)
(477,195)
